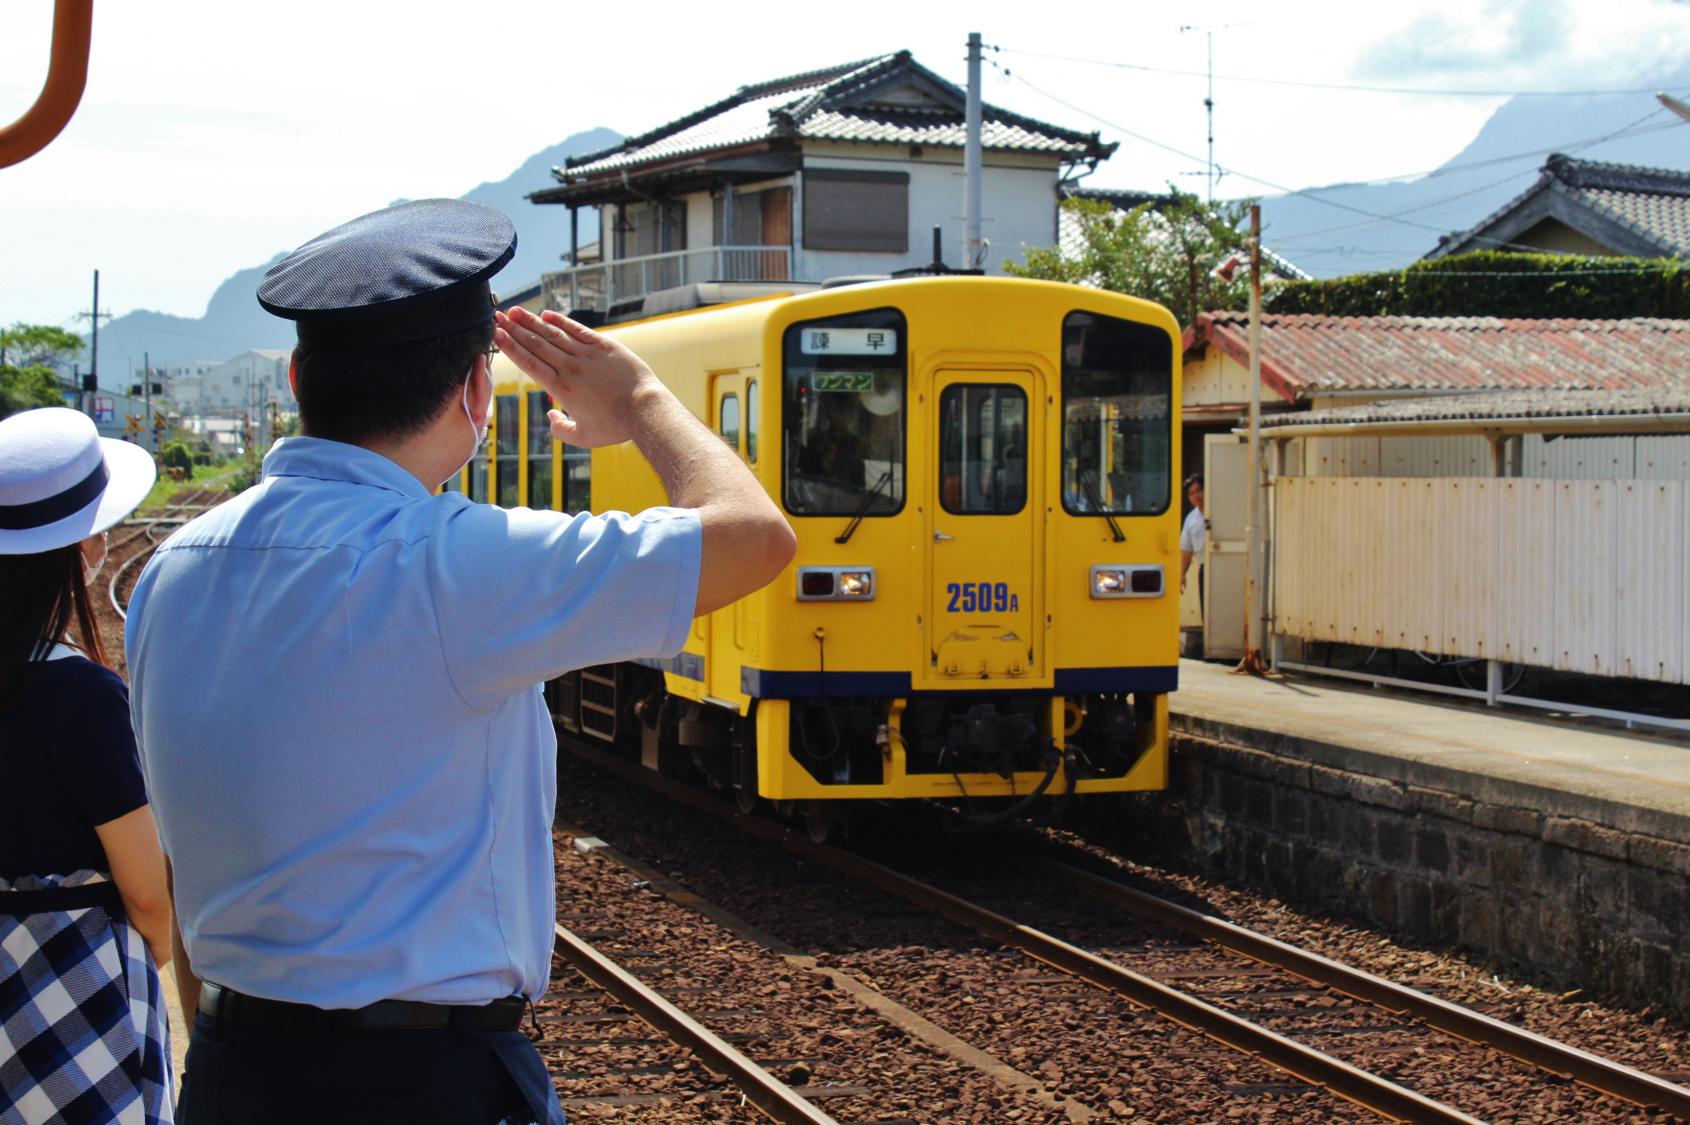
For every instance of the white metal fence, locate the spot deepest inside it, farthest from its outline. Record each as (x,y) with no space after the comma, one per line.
(603,284)
(1578,575)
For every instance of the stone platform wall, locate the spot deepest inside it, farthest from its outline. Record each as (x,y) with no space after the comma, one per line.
(1466,862)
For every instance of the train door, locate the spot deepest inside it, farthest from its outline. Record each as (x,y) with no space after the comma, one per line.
(986,550)
(716,631)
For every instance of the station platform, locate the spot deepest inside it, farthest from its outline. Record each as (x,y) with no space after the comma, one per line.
(1567,766)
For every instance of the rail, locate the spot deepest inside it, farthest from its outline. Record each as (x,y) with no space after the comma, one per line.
(602,284)
(1547,1054)
(1312,1066)
(774,1098)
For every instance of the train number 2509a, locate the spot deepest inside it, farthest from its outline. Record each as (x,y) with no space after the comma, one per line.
(981,597)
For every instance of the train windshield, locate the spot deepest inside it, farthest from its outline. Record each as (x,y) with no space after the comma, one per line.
(843,415)
(1117,417)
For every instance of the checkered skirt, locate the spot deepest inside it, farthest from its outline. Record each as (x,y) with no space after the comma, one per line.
(84,1037)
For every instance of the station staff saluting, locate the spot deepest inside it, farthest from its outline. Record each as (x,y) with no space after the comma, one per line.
(336,684)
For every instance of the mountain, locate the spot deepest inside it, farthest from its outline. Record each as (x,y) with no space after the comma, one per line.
(233,321)
(1324,231)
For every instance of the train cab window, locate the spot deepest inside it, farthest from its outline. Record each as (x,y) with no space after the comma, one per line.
(539,450)
(1117,417)
(751,421)
(507,423)
(842,415)
(727,420)
(983,449)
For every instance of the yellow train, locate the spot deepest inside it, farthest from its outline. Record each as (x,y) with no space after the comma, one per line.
(981,475)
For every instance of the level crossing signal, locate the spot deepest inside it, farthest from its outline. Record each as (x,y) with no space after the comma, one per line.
(134,426)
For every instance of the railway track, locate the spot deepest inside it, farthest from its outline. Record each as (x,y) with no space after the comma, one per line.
(1361,1038)
(134,553)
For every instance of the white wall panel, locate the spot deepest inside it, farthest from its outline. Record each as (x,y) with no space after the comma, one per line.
(1468,578)
(1581,575)
(1525,569)
(1650,587)
(1586,576)
(1663,457)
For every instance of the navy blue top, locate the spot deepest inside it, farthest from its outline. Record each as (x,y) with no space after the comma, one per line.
(67,763)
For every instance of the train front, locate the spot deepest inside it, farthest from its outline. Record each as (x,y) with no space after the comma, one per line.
(983,476)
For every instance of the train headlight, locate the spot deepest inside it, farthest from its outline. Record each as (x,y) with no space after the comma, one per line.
(836,583)
(1126,581)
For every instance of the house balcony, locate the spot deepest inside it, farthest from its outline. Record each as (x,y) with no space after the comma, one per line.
(602,285)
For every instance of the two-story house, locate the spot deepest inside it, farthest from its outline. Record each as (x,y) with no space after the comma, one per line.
(838,172)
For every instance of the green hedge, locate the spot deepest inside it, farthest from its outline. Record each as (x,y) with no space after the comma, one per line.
(1494,283)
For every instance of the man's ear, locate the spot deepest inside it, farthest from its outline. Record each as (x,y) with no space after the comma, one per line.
(480,387)
(293,373)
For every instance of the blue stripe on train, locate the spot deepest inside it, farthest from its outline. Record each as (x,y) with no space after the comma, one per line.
(688,665)
(1069,681)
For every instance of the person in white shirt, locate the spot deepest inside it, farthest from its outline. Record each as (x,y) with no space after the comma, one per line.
(1192,533)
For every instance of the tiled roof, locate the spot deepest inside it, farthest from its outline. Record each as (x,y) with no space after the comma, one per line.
(1662,403)
(1308,355)
(1652,205)
(838,103)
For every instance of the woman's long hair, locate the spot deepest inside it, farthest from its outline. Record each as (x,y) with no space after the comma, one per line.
(42,592)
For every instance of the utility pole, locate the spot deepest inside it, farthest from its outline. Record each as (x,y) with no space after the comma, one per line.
(1254,617)
(147,391)
(95,315)
(973,251)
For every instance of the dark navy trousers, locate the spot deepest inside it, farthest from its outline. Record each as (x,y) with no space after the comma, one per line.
(251,1076)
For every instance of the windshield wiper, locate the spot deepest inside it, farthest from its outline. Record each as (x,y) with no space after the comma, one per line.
(862,509)
(1088,481)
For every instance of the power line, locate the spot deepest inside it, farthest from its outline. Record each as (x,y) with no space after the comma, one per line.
(1351,87)
(1270,184)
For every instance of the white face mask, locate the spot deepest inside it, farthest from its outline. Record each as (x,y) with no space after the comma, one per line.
(479,429)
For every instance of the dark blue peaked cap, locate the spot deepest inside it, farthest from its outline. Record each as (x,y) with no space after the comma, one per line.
(408,272)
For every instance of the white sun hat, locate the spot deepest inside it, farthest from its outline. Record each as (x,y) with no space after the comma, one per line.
(61,482)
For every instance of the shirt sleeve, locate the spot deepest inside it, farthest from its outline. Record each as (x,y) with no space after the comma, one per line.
(523,596)
(94,757)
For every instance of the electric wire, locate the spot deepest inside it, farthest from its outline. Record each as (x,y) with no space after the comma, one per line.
(1351,87)
(1306,193)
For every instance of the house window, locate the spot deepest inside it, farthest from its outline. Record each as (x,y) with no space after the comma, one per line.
(845,210)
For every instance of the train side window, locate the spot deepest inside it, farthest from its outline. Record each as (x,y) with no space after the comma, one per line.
(478,470)
(727,420)
(751,421)
(1117,415)
(539,450)
(842,415)
(577,479)
(507,423)
(983,449)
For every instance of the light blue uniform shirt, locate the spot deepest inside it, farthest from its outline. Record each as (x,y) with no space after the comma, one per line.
(335,685)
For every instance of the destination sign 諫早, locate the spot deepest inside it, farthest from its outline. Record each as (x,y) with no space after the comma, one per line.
(848,341)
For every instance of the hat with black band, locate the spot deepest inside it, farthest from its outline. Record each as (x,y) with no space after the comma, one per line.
(61,482)
(408,272)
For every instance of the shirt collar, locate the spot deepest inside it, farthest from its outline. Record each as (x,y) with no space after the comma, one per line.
(336,460)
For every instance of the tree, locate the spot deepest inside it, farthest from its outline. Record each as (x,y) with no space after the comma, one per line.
(28,355)
(1166,250)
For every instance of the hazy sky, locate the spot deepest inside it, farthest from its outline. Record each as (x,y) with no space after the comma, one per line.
(214,134)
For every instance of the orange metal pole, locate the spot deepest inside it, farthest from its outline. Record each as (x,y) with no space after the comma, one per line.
(67,76)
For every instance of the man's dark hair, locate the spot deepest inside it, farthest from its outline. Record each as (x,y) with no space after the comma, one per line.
(391,391)
(1194,478)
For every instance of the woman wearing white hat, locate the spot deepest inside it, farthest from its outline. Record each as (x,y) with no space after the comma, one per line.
(83,896)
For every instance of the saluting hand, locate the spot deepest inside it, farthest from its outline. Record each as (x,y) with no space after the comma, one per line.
(598,381)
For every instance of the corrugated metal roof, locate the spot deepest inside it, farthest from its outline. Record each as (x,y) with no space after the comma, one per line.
(1306,355)
(1661,402)
(838,103)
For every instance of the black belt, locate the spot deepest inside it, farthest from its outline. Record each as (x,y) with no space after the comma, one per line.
(234,1009)
(48,900)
